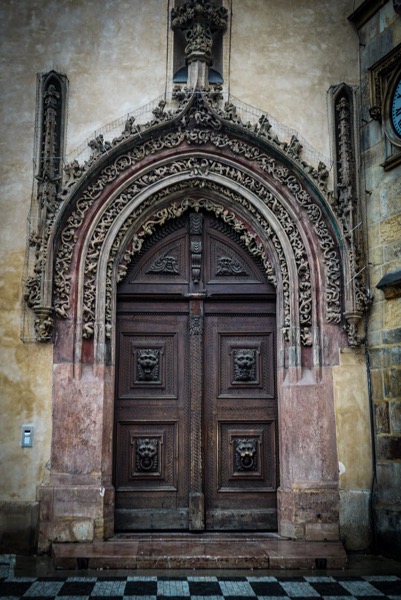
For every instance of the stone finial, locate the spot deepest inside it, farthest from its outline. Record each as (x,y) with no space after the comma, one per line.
(199,19)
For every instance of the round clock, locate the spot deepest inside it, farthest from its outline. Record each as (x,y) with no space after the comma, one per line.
(391,109)
(395,108)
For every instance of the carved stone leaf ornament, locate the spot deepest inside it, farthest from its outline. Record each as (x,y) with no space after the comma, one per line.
(167,264)
(199,121)
(199,19)
(96,244)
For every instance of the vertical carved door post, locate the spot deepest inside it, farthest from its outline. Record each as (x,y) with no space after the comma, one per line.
(196,496)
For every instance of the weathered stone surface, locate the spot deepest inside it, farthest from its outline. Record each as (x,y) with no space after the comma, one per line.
(393,336)
(321,532)
(355,525)
(388,490)
(65,530)
(388,521)
(306,414)
(389,448)
(308,511)
(382,417)
(78,421)
(353,419)
(392,383)
(376,378)
(395,416)
(19,527)
(101,45)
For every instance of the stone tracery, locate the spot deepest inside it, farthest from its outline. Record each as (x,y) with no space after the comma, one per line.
(201,123)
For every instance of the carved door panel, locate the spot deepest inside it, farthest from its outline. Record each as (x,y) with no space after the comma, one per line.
(195,425)
(240,419)
(152,447)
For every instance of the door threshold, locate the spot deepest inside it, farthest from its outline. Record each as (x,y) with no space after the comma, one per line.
(148,551)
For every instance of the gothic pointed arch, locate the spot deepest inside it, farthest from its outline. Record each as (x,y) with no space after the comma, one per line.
(203,145)
(197,155)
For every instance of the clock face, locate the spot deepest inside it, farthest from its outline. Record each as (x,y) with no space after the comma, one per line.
(396,108)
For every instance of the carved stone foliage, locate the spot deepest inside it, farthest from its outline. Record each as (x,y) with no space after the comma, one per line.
(226,265)
(197,111)
(199,19)
(195,325)
(50,136)
(166,264)
(202,122)
(345,203)
(289,226)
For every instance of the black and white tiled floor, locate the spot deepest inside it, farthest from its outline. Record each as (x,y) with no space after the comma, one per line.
(198,587)
(381,587)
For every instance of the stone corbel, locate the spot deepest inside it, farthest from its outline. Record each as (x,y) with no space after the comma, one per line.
(390,285)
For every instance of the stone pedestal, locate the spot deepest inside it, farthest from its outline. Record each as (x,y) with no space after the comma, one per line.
(75,514)
(308,499)
(77,502)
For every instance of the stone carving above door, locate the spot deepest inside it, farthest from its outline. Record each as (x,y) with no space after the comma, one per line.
(229,266)
(201,121)
(166,264)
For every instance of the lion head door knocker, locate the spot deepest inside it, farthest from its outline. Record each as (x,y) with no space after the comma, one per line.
(147,455)
(245,454)
(245,365)
(148,365)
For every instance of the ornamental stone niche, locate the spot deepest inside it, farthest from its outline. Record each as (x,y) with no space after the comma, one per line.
(197,162)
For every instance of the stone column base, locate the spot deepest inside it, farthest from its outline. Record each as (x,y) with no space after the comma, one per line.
(309,514)
(75,514)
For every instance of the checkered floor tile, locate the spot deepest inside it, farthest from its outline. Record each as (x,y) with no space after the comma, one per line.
(201,588)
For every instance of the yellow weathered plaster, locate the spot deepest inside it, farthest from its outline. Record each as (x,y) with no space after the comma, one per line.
(282,60)
(353,420)
(25,394)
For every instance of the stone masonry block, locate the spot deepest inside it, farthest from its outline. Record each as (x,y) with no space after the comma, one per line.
(395,416)
(392,383)
(382,417)
(377,384)
(355,529)
(393,336)
(390,229)
(321,532)
(389,448)
(388,489)
(19,527)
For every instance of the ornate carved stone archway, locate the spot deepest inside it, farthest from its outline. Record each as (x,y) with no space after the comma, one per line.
(201,156)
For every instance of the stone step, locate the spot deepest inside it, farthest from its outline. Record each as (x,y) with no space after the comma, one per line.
(199,551)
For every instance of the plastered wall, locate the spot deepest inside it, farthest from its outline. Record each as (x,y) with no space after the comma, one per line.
(283,57)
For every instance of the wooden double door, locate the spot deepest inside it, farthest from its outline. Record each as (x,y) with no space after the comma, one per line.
(196,404)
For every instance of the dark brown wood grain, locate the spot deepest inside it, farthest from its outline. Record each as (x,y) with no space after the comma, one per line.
(196,402)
